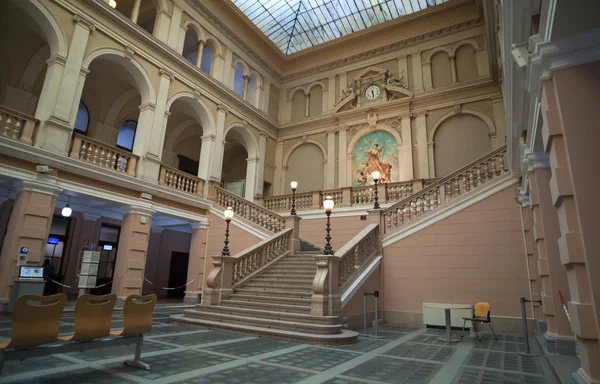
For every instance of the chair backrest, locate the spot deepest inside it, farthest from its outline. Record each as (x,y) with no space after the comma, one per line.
(137,314)
(482,309)
(92,316)
(35,320)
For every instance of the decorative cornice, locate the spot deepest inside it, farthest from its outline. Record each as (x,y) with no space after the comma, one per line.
(147,106)
(166,73)
(222,108)
(84,22)
(201,224)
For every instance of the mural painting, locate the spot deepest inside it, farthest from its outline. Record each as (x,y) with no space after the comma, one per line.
(375,151)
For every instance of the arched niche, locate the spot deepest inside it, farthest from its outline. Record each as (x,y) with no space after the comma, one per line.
(315,93)
(441,70)
(298,97)
(466,63)
(459,140)
(240,160)
(305,163)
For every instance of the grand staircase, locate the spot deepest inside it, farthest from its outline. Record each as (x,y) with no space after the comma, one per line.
(275,302)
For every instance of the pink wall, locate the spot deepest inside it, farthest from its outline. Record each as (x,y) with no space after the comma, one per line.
(474,255)
(239,239)
(356,304)
(343,229)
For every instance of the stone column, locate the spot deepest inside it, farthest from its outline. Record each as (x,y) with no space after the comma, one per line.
(132,250)
(406,162)
(246,81)
(330,169)
(175,26)
(29,226)
(453,69)
(48,96)
(149,139)
(266,96)
(135,12)
(559,337)
(422,150)
(218,68)
(306,104)
(197,262)
(161,25)
(278,179)
(325,100)
(206,157)
(200,52)
(343,81)
(228,69)
(427,78)
(260,172)
(342,161)
(567,100)
(331,94)
(217,159)
(417,71)
(251,175)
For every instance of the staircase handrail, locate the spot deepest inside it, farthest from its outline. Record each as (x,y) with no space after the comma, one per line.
(335,272)
(230,271)
(447,188)
(250,211)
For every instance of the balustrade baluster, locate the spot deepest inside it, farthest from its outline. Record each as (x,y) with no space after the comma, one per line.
(7,124)
(16,129)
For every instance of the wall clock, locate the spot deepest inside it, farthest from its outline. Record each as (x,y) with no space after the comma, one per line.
(372,92)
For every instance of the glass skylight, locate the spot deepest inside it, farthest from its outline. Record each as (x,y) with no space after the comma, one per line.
(294,25)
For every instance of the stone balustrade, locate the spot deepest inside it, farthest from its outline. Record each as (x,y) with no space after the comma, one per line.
(181,181)
(347,196)
(335,272)
(231,271)
(251,212)
(103,155)
(446,189)
(17,126)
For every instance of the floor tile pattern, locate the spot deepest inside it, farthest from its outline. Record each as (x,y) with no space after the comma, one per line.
(251,374)
(422,351)
(394,370)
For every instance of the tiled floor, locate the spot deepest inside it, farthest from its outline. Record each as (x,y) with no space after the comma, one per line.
(179,354)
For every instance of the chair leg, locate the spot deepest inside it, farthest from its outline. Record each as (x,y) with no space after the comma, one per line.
(138,352)
(494,333)
(1,360)
(475,329)
(463,329)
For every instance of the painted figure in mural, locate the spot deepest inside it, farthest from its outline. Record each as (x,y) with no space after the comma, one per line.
(375,163)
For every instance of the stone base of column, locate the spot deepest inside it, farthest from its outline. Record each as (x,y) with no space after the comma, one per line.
(210,296)
(559,346)
(193,299)
(54,135)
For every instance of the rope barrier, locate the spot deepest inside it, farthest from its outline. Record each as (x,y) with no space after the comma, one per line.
(77,288)
(168,288)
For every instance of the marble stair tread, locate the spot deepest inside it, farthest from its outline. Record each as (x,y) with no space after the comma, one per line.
(271,314)
(342,338)
(307,288)
(270,299)
(306,276)
(284,279)
(265,322)
(267,305)
(271,292)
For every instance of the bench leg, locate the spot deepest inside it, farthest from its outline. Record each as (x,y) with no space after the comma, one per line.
(136,361)
(1,361)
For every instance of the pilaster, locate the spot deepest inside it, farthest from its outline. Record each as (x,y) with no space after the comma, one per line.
(422,150)
(277,179)
(330,168)
(197,262)
(342,161)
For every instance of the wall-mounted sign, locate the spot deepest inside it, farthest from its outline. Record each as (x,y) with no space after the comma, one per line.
(53,240)
(22,258)
(107,247)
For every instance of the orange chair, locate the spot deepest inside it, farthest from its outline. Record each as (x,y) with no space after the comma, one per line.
(481,314)
(92,317)
(137,315)
(35,324)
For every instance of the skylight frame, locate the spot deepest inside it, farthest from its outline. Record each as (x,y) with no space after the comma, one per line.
(295,25)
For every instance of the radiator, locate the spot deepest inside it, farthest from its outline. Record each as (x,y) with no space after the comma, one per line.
(437,317)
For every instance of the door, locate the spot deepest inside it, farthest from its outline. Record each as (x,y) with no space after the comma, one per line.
(107,245)
(178,274)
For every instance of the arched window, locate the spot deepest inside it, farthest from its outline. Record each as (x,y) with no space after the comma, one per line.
(238,80)
(126,135)
(207,58)
(82,120)
(190,46)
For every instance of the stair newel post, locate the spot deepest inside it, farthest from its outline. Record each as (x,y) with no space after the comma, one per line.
(325,300)
(294,238)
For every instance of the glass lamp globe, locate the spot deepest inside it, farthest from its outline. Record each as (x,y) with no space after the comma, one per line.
(328,203)
(66,211)
(229,213)
(294,184)
(375,175)
(112,4)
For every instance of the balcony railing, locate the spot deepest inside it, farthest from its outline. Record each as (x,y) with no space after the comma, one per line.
(347,196)
(103,155)
(247,210)
(181,181)
(17,126)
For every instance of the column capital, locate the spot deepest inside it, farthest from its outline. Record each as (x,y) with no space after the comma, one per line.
(419,113)
(147,106)
(57,59)
(223,109)
(203,223)
(254,159)
(39,187)
(140,209)
(209,136)
(167,114)
(166,73)
(263,133)
(84,22)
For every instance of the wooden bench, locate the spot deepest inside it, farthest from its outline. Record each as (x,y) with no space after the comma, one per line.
(35,326)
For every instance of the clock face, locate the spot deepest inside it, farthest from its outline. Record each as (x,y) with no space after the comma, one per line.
(372,92)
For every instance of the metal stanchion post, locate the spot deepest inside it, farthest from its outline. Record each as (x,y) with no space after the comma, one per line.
(365,312)
(376,294)
(525,330)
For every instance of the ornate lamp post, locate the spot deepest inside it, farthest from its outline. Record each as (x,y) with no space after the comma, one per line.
(328,205)
(294,185)
(228,217)
(375,175)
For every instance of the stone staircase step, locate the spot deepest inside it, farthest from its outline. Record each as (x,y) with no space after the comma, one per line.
(304,294)
(266,298)
(342,338)
(296,262)
(291,274)
(284,280)
(323,329)
(271,315)
(292,269)
(296,287)
(240,303)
